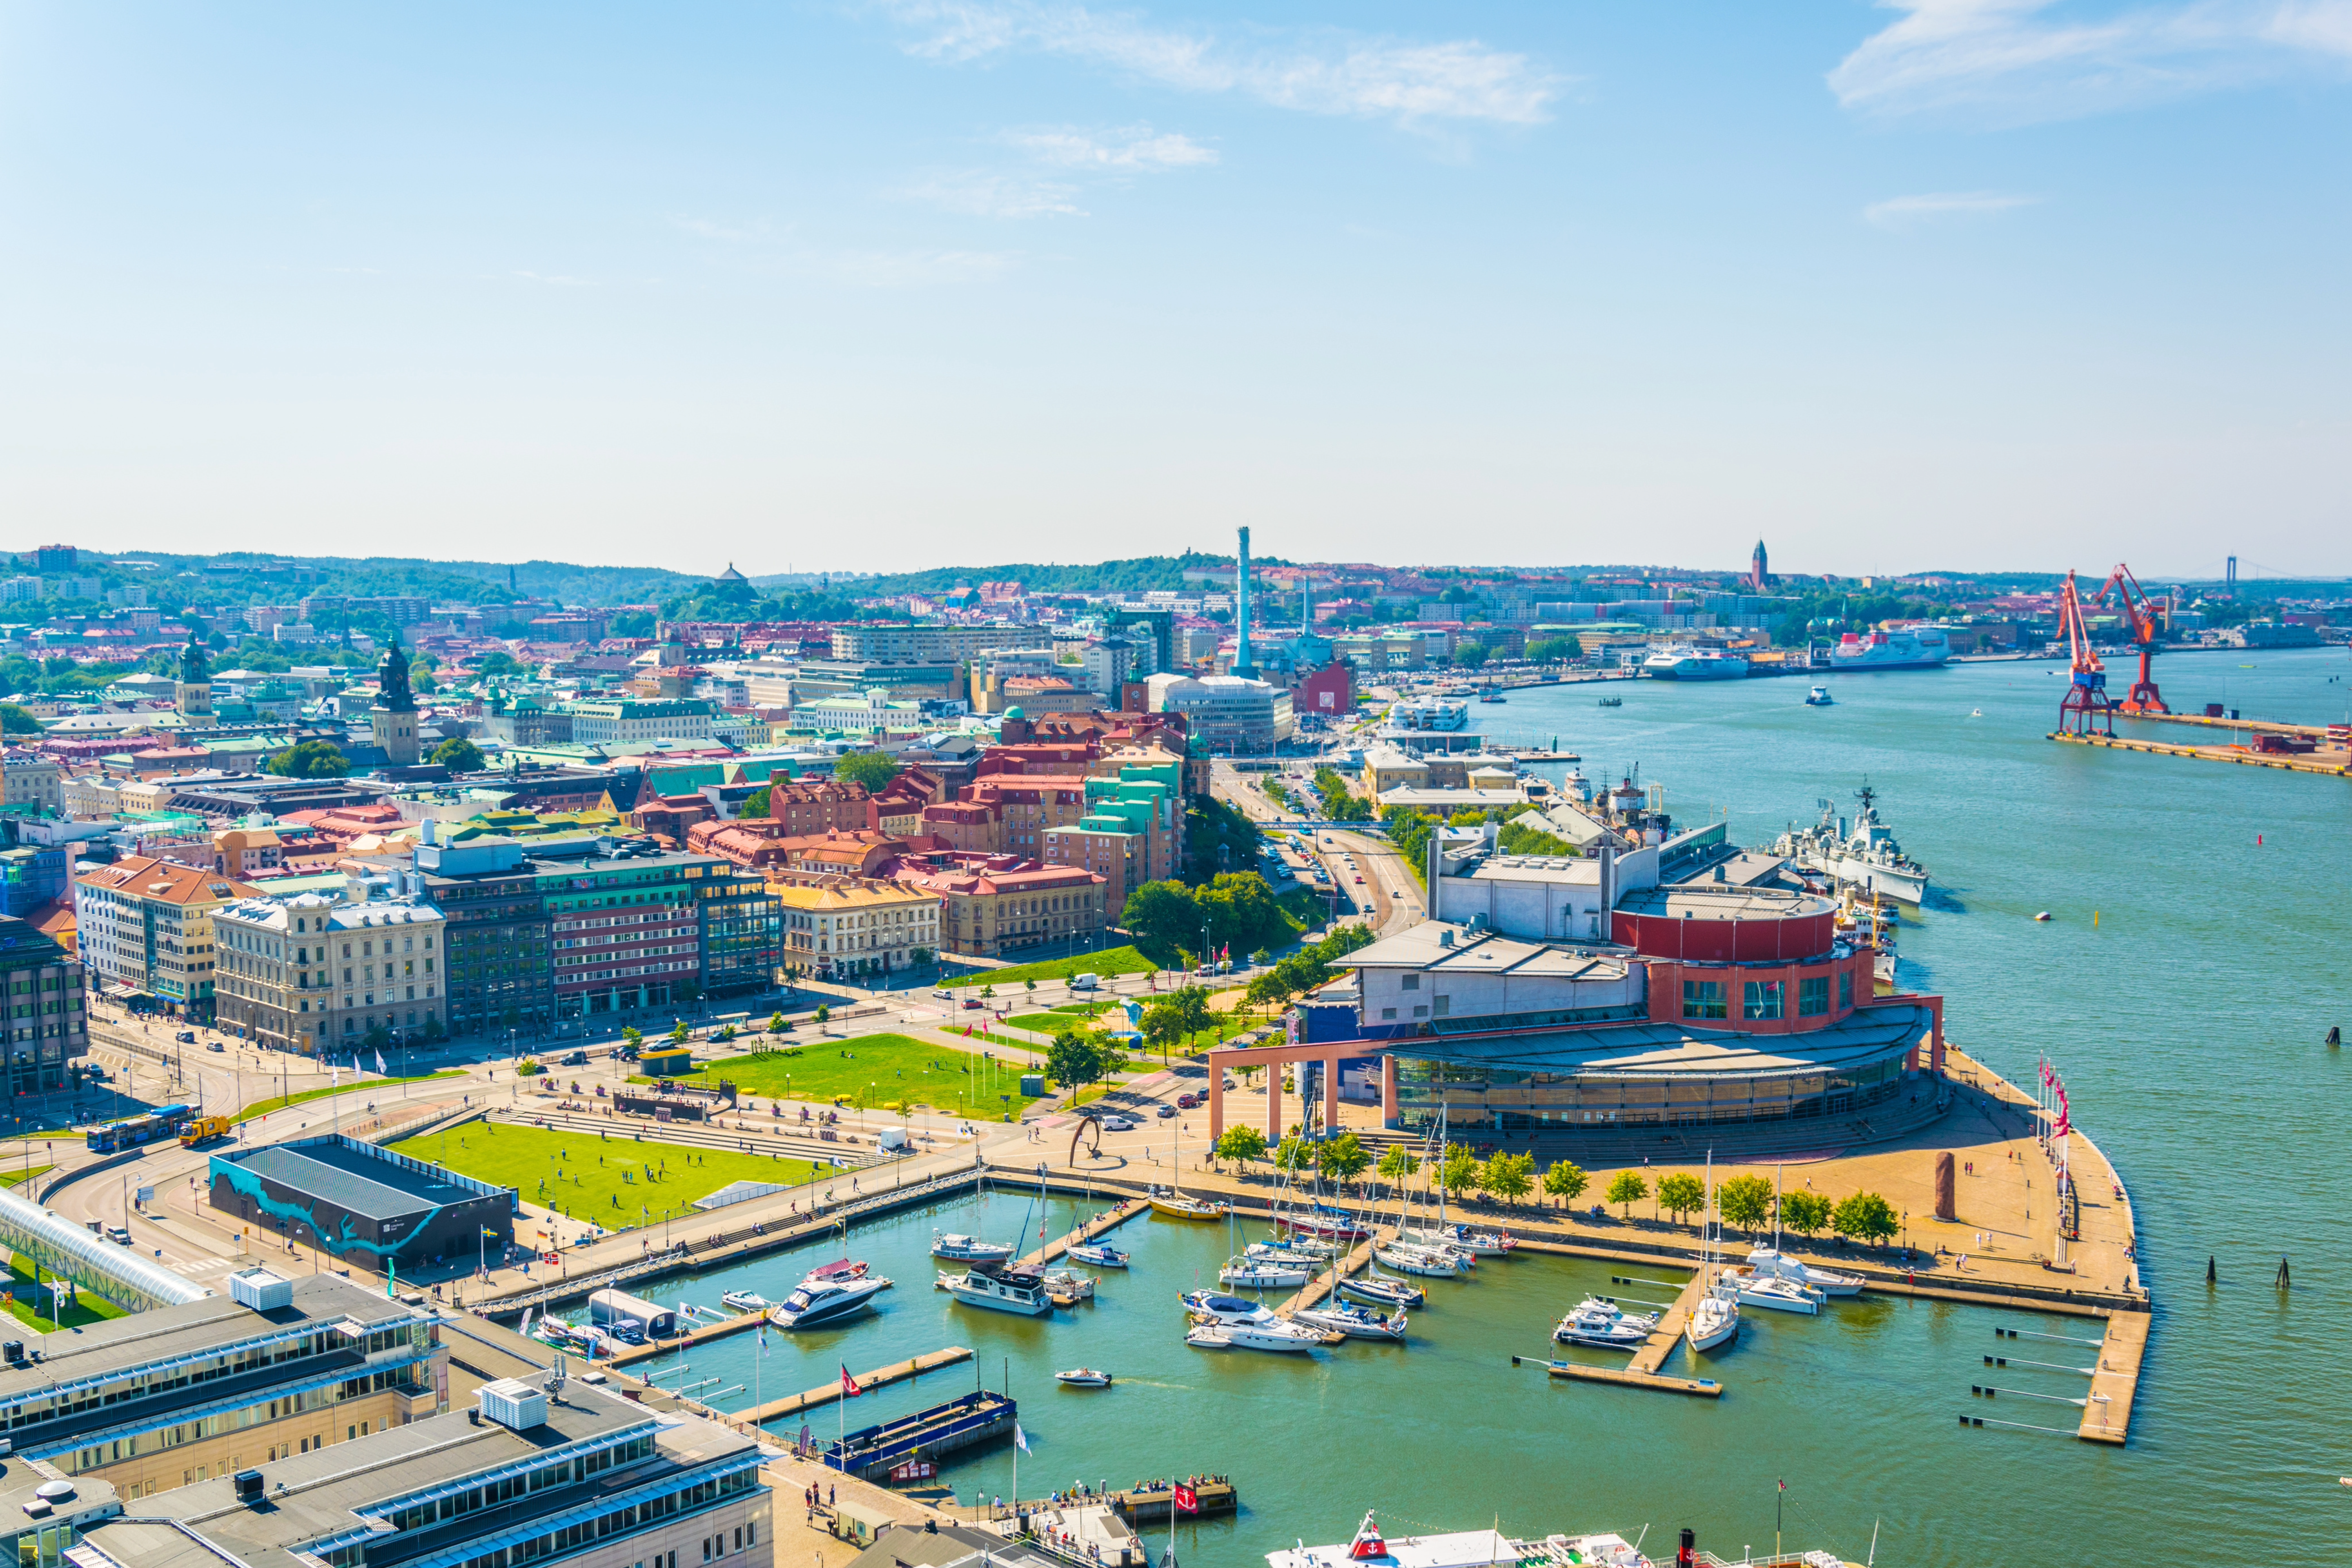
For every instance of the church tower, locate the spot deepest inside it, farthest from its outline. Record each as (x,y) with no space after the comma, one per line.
(394,717)
(1758,578)
(193,695)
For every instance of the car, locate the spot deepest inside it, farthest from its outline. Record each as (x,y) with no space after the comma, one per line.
(1360,875)
(1206,969)
(1118,1124)
(1166,1111)
(573,1060)
(117,1235)
(1187,1101)
(214,1046)
(186,1037)
(972,1001)
(943,994)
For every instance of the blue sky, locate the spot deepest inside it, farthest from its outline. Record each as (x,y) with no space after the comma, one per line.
(1962,283)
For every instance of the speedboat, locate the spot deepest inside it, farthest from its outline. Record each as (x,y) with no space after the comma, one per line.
(1603,1324)
(744,1301)
(1262,1273)
(1714,1320)
(1020,1291)
(1461,1238)
(971,1251)
(1101,1253)
(1065,1285)
(1353,1322)
(1772,1261)
(1383,1291)
(1414,1258)
(1208,1337)
(1218,1307)
(1183,1206)
(1083,1377)
(837,1290)
(1819,696)
(1756,1288)
(1273,1334)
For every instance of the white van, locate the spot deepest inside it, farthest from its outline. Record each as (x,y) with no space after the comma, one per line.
(1084,982)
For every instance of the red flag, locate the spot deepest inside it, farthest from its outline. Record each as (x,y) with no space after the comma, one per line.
(1187,1499)
(849,1384)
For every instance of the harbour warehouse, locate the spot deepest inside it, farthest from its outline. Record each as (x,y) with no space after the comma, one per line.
(1728,1000)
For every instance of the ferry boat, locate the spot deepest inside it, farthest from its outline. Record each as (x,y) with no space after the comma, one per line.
(829,1294)
(1015,1290)
(1684,661)
(1866,856)
(1819,696)
(1464,1549)
(1896,644)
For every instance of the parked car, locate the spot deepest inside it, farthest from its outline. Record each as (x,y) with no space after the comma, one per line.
(1119,1124)
(1187,1101)
(574,1059)
(1166,1111)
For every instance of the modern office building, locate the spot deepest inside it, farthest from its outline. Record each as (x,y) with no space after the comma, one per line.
(370,1207)
(1227,713)
(47,1029)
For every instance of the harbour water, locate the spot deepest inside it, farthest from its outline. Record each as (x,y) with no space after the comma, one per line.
(2188,1022)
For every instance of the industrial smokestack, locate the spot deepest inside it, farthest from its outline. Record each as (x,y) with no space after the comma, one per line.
(1243,664)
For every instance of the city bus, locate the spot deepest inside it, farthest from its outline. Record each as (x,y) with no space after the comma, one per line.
(132,1131)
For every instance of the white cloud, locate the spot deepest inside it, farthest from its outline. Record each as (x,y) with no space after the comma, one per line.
(1135,148)
(1899,212)
(1319,72)
(984,193)
(2021,60)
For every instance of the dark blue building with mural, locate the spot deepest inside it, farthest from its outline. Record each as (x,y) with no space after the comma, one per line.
(369,1206)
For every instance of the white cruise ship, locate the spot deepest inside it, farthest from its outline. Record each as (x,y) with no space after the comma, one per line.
(1683,661)
(1895,646)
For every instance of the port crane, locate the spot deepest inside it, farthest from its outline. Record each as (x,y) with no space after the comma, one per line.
(2133,600)
(2086,708)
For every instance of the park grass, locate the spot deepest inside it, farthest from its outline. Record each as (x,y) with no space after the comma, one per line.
(15,1178)
(281,1102)
(25,1302)
(891,1066)
(1110,961)
(606,1181)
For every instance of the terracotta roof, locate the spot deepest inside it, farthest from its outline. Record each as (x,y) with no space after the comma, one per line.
(166,880)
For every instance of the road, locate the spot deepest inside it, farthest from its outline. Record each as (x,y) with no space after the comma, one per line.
(1364,867)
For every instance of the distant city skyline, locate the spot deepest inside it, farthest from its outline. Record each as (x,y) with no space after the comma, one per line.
(1930,284)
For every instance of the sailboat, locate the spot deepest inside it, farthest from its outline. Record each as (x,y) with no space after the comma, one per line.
(1714,1316)
(1100,1252)
(1756,1287)
(1427,1250)
(1772,1261)
(955,1247)
(1174,1200)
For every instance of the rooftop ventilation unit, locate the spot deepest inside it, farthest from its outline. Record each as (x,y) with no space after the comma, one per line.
(513,1404)
(260,1290)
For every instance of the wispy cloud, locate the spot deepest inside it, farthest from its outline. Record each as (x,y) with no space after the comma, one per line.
(1137,147)
(1901,212)
(1325,71)
(986,193)
(2023,61)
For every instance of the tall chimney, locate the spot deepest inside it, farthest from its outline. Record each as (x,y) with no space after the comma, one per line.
(1243,666)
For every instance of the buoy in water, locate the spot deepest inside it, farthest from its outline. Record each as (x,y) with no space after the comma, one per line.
(2042,916)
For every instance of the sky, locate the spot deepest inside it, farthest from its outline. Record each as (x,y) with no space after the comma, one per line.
(885,284)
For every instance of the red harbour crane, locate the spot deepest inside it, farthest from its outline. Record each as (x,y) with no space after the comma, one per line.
(2086,709)
(2134,602)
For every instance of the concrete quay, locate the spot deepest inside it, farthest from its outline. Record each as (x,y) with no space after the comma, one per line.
(2333,760)
(831,1392)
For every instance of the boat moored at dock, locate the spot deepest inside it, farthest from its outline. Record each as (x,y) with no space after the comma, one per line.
(1354,1321)
(829,1294)
(1015,1290)
(1605,1325)
(950,1247)
(1464,1549)
(1769,1261)
(960,1423)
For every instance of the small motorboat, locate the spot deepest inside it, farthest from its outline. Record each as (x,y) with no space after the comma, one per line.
(1613,702)
(1976,712)
(1083,1377)
(970,1250)
(1383,1291)
(1604,1326)
(1208,1337)
(1101,1253)
(744,1301)
(1819,696)
(1353,1322)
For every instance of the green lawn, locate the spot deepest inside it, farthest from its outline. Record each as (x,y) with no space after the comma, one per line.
(1112,960)
(279,1102)
(608,1181)
(885,1067)
(31,1306)
(12,1178)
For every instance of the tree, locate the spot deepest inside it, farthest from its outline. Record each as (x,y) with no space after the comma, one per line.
(1509,1177)
(1566,1180)
(757,803)
(1074,1061)
(1865,1217)
(1191,1005)
(1398,1164)
(1551,650)
(496,662)
(310,760)
(1261,958)
(632,1035)
(776,1025)
(1345,1158)
(871,770)
(824,1014)
(377,1036)
(1626,1188)
(1458,1172)
(1682,1195)
(1294,1154)
(1241,1145)
(1163,1025)
(432,1028)
(15,721)
(1470,655)
(1745,1200)
(459,756)
(679,1034)
(1807,1214)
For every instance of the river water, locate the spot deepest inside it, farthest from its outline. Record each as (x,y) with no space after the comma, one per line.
(2189,1023)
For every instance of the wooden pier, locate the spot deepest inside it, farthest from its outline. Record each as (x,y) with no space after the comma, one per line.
(1060,1246)
(1324,1283)
(898,1371)
(2106,1413)
(687,1340)
(1669,1332)
(1143,1505)
(1643,1372)
(2333,761)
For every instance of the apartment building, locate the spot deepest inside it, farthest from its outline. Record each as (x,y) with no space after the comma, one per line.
(669,719)
(310,973)
(899,643)
(856,927)
(146,927)
(47,1029)
(33,779)
(818,805)
(994,905)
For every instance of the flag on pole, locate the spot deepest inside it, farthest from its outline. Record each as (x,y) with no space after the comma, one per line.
(848,1384)
(1187,1499)
(355,1064)
(379,1065)
(1019,1438)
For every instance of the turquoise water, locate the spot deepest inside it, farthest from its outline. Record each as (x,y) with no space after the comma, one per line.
(2188,1024)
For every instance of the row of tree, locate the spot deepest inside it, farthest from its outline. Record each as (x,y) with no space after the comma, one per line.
(1308,968)
(1236,909)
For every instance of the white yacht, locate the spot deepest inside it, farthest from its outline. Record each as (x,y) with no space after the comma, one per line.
(1773,1261)
(1020,1291)
(1686,661)
(837,1290)
(1714,1316)
(1246,1325)
(1754,1289)
(1605,1325)
(1432,1262)
(1262,1273)
(1354,1321)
